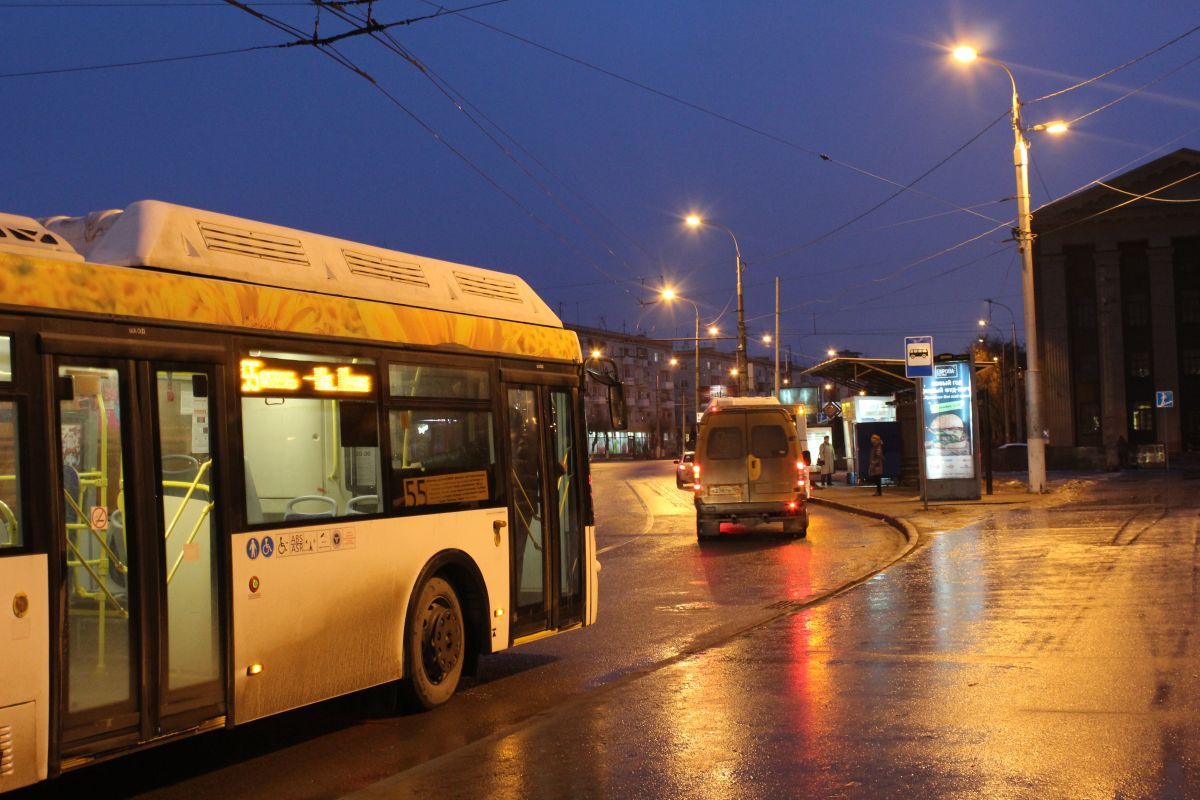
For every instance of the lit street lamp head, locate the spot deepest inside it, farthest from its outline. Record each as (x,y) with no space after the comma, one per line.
(668,294)
(713,330)
(965,54)
(595,354)
(693,221)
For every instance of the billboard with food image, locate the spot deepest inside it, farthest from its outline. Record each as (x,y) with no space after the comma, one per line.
(949,449)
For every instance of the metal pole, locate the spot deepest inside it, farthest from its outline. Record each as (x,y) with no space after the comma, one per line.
(921,438)
(742,377)
(696,388)
(777,397)
(1035,444)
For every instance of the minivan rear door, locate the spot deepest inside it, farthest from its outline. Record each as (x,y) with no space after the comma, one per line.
(723,459)
(770,463)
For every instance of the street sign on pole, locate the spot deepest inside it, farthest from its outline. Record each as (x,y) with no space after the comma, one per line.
(1164,399)
(918,356)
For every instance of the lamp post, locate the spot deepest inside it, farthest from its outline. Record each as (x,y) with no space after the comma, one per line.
(1012,318)
(669,295)
(694,221)
(1035,444)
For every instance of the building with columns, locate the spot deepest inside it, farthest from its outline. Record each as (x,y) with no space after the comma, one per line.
(1117,283)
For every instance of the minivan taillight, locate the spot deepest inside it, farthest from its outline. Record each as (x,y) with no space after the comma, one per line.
(696,478)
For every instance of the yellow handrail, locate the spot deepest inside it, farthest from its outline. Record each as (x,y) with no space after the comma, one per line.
(10,523)
(190,539)
(83,562)
(191,488)
(96,535)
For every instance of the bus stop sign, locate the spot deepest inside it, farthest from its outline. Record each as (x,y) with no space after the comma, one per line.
(918,356)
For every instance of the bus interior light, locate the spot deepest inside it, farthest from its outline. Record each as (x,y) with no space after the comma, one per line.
(254,669)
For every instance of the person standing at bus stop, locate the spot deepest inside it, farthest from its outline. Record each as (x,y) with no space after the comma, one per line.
(875,464)
(825,459)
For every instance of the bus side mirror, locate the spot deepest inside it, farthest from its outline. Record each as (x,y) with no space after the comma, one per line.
(604,371)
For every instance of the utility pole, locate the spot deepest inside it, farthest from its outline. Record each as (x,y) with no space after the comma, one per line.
(777,397)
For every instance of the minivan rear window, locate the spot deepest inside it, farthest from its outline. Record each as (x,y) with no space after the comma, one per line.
(768,441)
(726,443)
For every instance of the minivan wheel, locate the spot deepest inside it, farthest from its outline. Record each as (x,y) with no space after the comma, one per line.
(796,527)
(707,530)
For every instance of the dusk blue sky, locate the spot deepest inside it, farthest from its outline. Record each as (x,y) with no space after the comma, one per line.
(291,137)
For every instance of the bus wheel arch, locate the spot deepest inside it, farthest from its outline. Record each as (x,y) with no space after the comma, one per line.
(448,601)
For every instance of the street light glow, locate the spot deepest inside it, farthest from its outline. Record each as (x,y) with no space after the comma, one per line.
(668,294)
(965,54)
(1056,127)
(674,362)
(713,330)
(982,323)
(766,338)
(831,352)
(595,354)
(733,371)
(693,221)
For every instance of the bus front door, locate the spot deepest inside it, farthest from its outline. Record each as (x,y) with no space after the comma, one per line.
(545,509)
(142,645)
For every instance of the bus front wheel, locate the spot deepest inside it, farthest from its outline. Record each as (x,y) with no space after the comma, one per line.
(435,646)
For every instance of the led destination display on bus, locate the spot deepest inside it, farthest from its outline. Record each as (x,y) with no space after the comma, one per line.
(263,376)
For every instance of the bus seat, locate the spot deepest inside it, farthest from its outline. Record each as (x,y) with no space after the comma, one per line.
(179,468)
(363,504)
(254,512)
(290,513)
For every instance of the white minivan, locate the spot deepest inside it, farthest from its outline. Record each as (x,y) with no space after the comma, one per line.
(749,467)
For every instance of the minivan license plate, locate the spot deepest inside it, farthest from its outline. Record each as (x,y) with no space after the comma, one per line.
(730,490)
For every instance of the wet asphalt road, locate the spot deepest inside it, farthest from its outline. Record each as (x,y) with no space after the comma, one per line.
(664,599)
(1045,652)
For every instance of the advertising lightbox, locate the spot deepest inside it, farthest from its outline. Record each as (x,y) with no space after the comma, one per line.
(948,422)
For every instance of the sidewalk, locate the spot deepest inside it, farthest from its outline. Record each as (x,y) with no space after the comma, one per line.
(901,505)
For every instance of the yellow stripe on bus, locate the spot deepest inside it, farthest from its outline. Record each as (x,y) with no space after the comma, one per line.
(140,293)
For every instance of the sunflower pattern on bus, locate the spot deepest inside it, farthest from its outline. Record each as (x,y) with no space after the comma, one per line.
(129,292)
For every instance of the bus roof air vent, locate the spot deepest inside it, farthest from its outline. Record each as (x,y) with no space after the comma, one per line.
(488,286)
(27,236)
(383,268)
(253,244)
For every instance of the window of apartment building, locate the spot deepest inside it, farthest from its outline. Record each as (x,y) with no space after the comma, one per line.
(1142,416)
(1139,364)
(1190,361)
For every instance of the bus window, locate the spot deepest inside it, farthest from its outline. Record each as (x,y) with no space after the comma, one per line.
(424,380)
(11,534)
(442,458)
(310,437)
(5,359)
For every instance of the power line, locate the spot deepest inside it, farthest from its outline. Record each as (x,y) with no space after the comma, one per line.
(710,112)
(469,110)
(143,62)
(1114,70)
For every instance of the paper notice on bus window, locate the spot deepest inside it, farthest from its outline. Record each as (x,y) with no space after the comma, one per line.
(435,490)
(200,429)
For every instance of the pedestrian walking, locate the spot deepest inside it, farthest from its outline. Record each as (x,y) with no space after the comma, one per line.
(875,465)
(825,459)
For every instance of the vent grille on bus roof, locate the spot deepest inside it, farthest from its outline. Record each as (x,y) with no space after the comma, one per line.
(487,286)
(254,244)
(388,269)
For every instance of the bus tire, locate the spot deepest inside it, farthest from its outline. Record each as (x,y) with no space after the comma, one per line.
(435,646)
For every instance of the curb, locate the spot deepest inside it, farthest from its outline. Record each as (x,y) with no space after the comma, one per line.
(910,532)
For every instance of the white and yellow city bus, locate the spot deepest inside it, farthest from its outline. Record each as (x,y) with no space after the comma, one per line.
(245,468)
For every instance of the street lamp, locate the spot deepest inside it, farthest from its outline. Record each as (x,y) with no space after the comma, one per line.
(1035,444)
(695,221)
(668,295)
